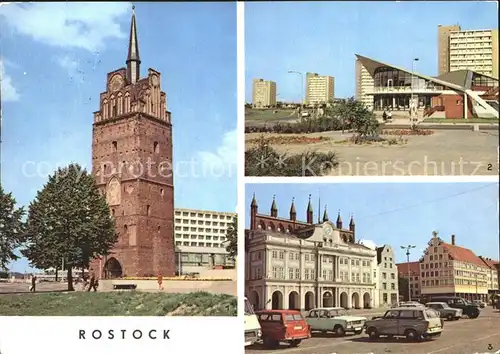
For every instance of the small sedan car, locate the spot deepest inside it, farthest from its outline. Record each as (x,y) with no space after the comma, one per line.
(480,303)
(414,323)
(336,320)
(445,311)
(282,326)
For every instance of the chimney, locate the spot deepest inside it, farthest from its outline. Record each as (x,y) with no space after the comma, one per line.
(453,240)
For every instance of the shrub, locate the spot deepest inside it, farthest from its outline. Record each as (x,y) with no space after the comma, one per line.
(263,160)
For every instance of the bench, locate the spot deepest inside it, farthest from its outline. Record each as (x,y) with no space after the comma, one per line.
(124,286)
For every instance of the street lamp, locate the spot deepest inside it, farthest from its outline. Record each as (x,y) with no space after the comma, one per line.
(408,248)
(301,84)
(413,108)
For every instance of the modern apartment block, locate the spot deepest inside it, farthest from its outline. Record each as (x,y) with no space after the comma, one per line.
(387,282)
(475,50)
(448,269)
(411,272)
(444,47)
(364,85)
(200,237)
(264,93)
(319,89)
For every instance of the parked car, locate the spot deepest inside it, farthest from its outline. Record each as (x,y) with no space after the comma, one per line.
(445,311)
(283,326)
(480,303)
(252,326)
(469,309)
(409,304)
(414,323)
(334,319)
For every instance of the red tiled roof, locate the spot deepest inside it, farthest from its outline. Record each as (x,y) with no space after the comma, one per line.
(403,268)
(462,254)
(489,262)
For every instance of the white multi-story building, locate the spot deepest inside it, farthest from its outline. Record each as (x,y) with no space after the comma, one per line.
(364,85)
(475,50)
(319,89)
(387,282)
(264,93)
(493,282)
(299,265)
(200,237)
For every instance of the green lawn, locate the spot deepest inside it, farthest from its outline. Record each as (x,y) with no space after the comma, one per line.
(461,120)
(268,114)
(118,304)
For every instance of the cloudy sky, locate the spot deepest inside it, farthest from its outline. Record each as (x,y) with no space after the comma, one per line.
(54,59)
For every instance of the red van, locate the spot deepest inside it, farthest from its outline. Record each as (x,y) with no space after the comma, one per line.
(283,326)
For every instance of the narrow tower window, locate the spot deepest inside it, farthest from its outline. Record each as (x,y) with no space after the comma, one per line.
(125,229)
(115,111)
(148,210)
(156,147)
(115,146)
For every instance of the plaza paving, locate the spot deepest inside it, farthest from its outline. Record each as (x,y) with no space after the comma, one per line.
(446,152)
(222,287)
(465,336)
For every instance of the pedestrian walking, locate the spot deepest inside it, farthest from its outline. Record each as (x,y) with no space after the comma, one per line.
(384,116)
(160,281)
(389,115)
(33,283)
(93,282)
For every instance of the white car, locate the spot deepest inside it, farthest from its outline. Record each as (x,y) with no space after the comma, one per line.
(334,319)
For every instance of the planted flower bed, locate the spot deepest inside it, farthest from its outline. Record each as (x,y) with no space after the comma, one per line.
(408,132)
(285,140)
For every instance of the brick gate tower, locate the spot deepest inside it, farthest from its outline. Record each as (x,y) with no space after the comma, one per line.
(132,164)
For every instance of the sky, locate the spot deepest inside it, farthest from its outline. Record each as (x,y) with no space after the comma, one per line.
(398,214)
(322,37)
(54,59)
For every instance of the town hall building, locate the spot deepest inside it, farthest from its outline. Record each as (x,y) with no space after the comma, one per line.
(132,165)
(292,264)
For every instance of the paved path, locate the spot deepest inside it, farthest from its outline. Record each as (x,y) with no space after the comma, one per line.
(445,153)
(466,336)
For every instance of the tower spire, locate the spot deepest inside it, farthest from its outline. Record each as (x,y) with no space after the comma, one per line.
(133,59)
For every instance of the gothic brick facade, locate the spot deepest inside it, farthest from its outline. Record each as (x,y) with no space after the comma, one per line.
(291,225)
(132,164)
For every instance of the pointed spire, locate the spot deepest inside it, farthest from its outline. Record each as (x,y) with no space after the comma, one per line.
(292,207)
(274,208)
(309,206)
(309,211)
(325,215)
(352,225)
(133,59)
(254,202)
(339,221)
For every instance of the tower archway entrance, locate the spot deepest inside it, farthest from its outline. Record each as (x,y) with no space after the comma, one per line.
(112,269)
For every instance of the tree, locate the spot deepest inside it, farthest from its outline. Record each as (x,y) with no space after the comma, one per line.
(11,228)
(69,223)
(356,116)
(232,238)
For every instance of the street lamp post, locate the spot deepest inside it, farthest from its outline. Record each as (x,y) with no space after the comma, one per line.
(408,248)
(301,84)
(413,108)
